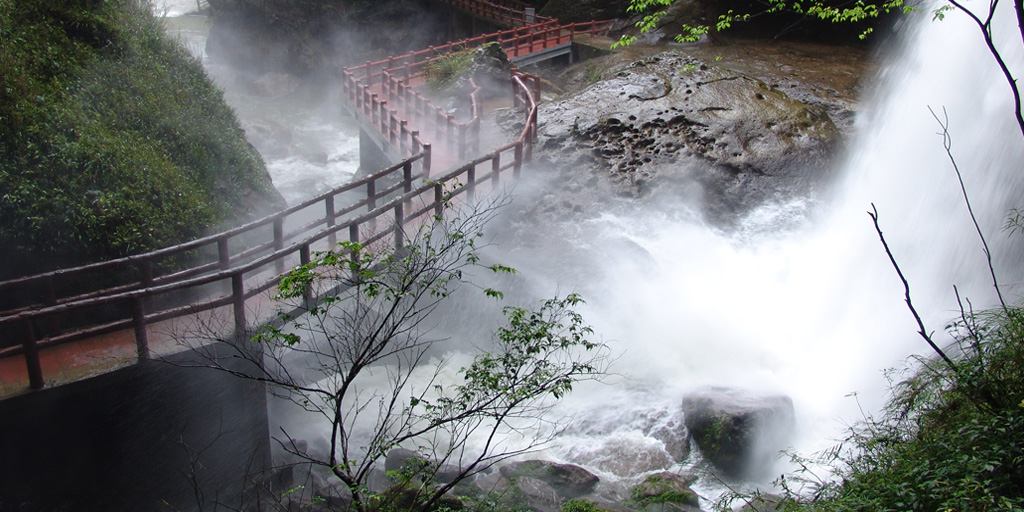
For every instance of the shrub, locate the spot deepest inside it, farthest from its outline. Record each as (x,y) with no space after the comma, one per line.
(113,141)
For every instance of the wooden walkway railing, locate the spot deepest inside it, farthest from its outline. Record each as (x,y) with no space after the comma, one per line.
(231,267)
(385,92)
(250,259)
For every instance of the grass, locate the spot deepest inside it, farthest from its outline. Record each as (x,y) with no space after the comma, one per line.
(951,437)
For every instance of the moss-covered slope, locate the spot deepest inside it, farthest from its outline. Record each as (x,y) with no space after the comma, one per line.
(113,141)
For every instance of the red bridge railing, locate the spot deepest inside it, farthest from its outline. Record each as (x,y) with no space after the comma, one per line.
(250,259)
(385,92)
(231,267)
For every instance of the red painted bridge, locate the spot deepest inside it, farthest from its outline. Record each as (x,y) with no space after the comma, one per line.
(71,324)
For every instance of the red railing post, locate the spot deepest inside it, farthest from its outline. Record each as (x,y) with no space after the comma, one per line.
(399,226)
(462,141)
(307,292)
(438,199)
(35,370)
(353,237)
(426,160)
(403,137)
(139,324)
(517,163)
(238,303)
(450,130)
(223,253)
(495,168)
(407,177)
(279,244)
(329,203)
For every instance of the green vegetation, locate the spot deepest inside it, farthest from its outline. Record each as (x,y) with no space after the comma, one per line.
(833,12)
(657,490)
(113,141)
(374,318)
(444,70)
(951,438)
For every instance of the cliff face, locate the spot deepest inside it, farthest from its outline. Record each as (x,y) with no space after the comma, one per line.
(320,36)
(112,139)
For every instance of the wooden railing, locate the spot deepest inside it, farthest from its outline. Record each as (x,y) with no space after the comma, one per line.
(231,267)
(385,94)
(390,201)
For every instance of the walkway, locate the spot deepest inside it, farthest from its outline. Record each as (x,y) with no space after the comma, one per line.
(80,322)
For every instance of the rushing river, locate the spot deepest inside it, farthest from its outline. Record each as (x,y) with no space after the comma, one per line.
(309,146)
(813,310)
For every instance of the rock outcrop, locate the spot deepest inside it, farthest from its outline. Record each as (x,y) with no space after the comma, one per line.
(737,431)
(674,126)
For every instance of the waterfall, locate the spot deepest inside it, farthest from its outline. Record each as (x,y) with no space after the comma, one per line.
(802,299)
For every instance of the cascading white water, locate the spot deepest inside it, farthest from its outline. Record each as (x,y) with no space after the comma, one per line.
(814,310)
(801,299)
(308,144)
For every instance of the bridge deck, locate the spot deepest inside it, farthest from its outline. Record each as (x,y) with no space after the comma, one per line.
(118,348)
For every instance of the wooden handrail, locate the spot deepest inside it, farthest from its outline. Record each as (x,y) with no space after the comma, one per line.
(400,209)
(390,112)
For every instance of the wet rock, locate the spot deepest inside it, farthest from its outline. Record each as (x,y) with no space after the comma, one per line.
(568,480)
(402,459)
(671,126)
(540,496)
(737,431)
(665,492)
(274,84)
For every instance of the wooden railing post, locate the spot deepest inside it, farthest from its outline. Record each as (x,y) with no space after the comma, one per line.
(35,370)
(371,194)
(407,176)
(403,137)
(517,164)
(374,113)
(426,160)
(307,292)
(399,226)
(223,253)
(470,182)
(279,244)
(353,236)
(238,303)
(495,168)
(462,141)
(450,130)
(139,323)
(329,203)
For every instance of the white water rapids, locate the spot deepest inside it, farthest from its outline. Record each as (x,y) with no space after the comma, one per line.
(802,300)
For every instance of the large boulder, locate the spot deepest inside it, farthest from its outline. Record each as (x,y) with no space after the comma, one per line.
(665,492)
(677,128)
(402,459)
(568,480)
(737,431)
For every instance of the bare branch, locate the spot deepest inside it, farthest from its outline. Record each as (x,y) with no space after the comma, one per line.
(906,287)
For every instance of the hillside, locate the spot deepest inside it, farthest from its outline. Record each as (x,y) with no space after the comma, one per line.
(113,141)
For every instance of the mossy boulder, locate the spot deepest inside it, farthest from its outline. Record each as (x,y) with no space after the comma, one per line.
(739,432)
(664,491)
(570,481)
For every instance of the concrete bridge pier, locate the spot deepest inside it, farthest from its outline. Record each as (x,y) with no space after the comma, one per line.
(131,440)
(372,157)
